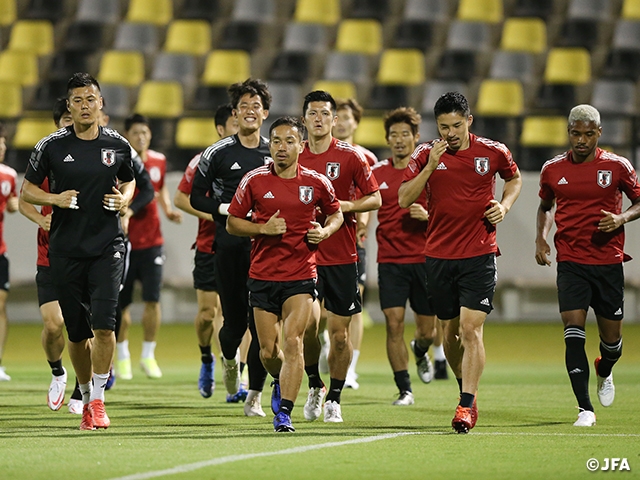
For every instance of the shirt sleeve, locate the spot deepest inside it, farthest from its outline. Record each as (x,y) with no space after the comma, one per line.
(327,202)
(545,192)
(242,201)
(126,172)
(629,182)
(143,184)
(186,183)
(38,167)
(417,162)
(364,179)
(507,167)
(202,180)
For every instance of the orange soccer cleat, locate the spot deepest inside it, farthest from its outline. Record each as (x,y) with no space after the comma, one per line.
(100,417)
(462,421)
(87,419)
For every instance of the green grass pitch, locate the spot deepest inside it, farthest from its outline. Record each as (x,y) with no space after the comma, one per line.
(164,429)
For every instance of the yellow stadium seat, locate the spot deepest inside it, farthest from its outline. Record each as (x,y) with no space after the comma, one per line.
(522,34)
(196,132)
(7,12)
(192,37)
(503,98)
(30,131)
(122,67)
(326,12)
(35,36)
(158,99)
(11,104)
(544,132)
(359,36)
(489,11)
(631,10)
(157,12)
(18,67)
(401,67)
(370,133)
(337,88)
(224,67)
(568,66)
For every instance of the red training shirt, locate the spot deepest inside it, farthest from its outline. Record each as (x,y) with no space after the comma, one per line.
(144,226)
(7,190)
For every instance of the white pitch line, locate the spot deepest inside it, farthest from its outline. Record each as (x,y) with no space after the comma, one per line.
(247,456)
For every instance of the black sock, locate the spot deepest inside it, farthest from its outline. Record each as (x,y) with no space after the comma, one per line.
(421,347)
(242,365)
(335,389)
(403,382)
(466,400)
(76,395)
(577,364)
(314,376)
(286,406)
(610,352)
(56,367)
(205,354)
(459,380)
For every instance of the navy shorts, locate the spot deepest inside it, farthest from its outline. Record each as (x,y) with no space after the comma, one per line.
(270,296)
(467,282)
(204,272)
(399,282)
(47,292)
(338,287)
(598,286)
(146,266)
(4,272)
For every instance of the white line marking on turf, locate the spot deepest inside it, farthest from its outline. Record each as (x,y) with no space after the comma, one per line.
(247,456)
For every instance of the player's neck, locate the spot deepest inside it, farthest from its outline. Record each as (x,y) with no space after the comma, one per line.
(575,158)
(349,140)
(401,162)
(249,139)
(290,172)
(319,145)
(144,155)
(87,132)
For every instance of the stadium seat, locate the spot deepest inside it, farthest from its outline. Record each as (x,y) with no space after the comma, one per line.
(579,33)
(67,62)
(8,12)
(35,36)
(224,67)
(117,100)
(99,11)
(290,67)
(85,37)
(489,11)
(359,36)
(428,129)
(469,36)
(615,97)
(137,36)
(160,99)
(435,11)
(435,89)
(377,9)
(388,97)
(401,67)
(200,9)
(513,65)
(30,131)
(370,133)
(240,36)
(256,11)
(616,131)
(11,105)
(157,12)
(555,98)
(191,37)
(19,67)
(208,99)
(47,92)
(456,65)
(337,88)
(325,12)
(176,67)
(626,35)
(122,68)
(630,10)
(524,35)
(51,10)
(196,133)
(502,98)
(305,37)
(622,63)
(534,8)
(286,99)
(540,131)
(568,66)
(414,34)
(347,66)
(589,10)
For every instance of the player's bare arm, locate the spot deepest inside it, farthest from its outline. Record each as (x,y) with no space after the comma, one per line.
(544,222)
(318,233)
(165,203)
(363,204)
(33,214)
(246,228)
(12,204)
(181,200)
(34,194)
(612,221)
(410,191)
(498,210)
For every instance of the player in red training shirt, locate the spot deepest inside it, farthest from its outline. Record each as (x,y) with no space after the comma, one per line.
(458,170)
(285,199)
(146,256)
(348,171)
(402,275)
(8,202)
(586,185)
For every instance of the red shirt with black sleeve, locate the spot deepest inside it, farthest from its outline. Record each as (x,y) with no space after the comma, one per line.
(144,226)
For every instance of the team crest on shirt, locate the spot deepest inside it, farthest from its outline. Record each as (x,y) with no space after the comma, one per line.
(604,178)
(333,170)
(305,194)
(482,165)
(5,188)
(108,157)
(155,174)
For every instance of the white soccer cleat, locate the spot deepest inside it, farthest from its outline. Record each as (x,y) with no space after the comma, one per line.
(123,369)
(150,367)
(55,396)
(351,381)
(231,376)
(3,375)
(425,367)
(75,406)
(253,404)
(332,412)
(606,388)
(586,418)
(405,398)
(313,406)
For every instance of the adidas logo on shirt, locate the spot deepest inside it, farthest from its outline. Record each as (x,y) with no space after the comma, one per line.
(618,311)
(117,255)
(485,302)
(268,195)
(235,166)
(383,186)
(441,166)
(69,158)
(563,181)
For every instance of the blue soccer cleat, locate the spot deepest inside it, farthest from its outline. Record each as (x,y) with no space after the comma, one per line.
(206,382)
(276,398)
(282,423)
(239,396)
(111,381)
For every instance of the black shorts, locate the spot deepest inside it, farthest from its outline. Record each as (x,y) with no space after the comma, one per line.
(4,272)
(146,266)
(46,290)
(270,296)
(467,282)
(399,282)
(598,286)
(362,265)
(338,287)
(204,272)
(88,291)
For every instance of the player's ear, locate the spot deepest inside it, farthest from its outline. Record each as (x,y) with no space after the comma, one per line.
(469,120)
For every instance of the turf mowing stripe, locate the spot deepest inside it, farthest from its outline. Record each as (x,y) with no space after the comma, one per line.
(247,456)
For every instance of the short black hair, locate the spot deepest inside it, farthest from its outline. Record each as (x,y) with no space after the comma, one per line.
(406,115)
(318,96)
(133,119)
(81,79)
(452,102)
(352,103)
(293,122)
(59,109)
(252,86)
(223,112)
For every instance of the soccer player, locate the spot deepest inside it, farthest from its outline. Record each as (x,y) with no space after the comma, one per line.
(402,274)
(459,171)
(146,257)
(220,170)
(8,202)
(348,170)
(585,184)
(285,199)
(86,250)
